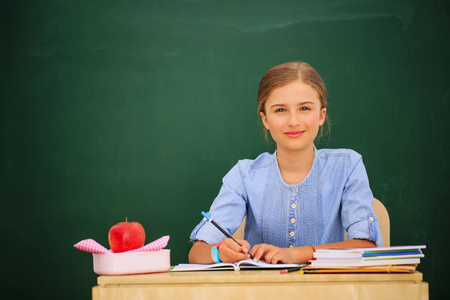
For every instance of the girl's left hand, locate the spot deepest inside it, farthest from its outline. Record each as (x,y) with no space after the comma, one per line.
(272,254)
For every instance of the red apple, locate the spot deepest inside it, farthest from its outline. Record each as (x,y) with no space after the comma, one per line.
(125,236)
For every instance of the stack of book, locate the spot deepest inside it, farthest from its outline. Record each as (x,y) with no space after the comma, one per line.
(388,259)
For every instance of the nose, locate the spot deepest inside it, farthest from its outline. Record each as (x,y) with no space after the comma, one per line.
(294,120)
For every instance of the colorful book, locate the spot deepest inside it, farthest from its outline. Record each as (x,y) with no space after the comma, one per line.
(359,257)
(364,263)
(369,258)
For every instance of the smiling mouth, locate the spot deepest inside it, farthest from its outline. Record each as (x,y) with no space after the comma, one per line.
(294,134)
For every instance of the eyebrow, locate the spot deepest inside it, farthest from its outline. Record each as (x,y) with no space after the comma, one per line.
(300,103)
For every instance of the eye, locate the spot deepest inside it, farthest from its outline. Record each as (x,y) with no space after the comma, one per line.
(305,108)
(280,110)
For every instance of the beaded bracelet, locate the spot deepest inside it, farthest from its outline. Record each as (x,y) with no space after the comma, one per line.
(314,250)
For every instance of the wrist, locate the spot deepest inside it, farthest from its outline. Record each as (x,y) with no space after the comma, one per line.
(303,254)
(313,250)
(215,252)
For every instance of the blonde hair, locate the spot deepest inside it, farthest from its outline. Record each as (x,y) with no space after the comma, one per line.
(283,74)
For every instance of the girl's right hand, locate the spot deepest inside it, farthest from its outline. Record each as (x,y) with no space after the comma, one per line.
(230,251)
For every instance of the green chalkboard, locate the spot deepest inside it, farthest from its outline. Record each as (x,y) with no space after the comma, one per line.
(114,109)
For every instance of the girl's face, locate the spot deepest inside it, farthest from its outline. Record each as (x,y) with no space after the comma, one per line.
(293,114)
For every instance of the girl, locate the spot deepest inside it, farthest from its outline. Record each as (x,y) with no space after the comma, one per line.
(299,198)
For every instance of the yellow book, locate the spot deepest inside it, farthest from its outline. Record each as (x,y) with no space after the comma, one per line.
(365,269)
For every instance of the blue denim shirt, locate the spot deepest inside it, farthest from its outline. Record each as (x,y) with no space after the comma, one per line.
(335,197)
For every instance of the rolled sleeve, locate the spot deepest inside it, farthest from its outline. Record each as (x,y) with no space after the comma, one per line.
(206,231)
(366,229)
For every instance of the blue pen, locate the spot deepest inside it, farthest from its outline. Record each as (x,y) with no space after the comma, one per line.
(223,231)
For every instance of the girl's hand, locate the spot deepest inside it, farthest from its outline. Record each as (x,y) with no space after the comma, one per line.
(231,252)
(272,254)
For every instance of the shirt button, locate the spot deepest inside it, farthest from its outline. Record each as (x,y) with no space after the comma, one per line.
(292,233)
(293,206)
(292,220)
(371,219)
(293,189)
(291,246)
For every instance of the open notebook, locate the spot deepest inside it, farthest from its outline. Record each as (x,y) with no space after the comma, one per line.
(240,265)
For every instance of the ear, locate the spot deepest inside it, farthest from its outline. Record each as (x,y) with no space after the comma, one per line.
(264,120)
(323,113)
